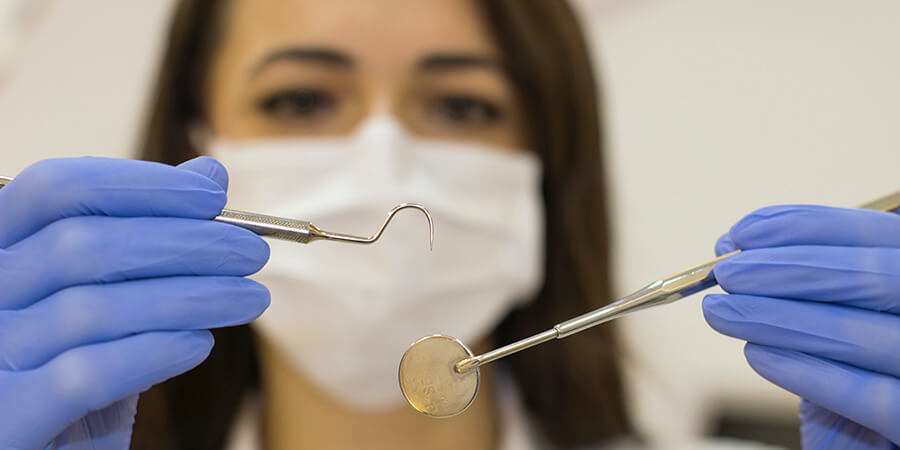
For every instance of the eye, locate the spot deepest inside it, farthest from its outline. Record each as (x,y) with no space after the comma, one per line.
(298,103)
(464,109)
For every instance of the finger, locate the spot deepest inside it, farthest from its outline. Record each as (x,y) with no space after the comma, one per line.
(87,250)
(46,400)
(862,338)
(867,398)
(778,226)
(725,245)
(106,429)
(89,314)
(821,428)
(57,188)
(209,168)
(865,277)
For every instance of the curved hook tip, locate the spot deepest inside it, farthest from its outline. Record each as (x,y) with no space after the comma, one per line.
(378,233)
(413,206)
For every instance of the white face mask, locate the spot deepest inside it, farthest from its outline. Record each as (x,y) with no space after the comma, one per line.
(343,313)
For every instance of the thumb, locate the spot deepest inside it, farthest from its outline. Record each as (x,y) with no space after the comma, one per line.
(209,168)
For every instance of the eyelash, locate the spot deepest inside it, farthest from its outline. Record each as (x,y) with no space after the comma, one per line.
(308,103)
(466,109)
(458,109)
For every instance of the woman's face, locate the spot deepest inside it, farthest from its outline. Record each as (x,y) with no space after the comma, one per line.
(316,68)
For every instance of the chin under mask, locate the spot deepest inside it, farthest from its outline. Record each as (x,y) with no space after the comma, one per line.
(343,314)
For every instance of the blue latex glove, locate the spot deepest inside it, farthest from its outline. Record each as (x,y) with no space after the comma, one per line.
(111,274)
(816,293)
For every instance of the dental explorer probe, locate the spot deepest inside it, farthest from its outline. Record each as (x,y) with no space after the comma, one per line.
(300,230)
(439,374)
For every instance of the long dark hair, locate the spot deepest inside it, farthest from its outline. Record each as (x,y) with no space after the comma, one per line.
(572,388)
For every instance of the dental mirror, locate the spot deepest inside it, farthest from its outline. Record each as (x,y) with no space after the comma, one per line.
(429,379)
(439,374)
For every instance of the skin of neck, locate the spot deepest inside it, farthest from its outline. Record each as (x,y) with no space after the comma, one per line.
(299,415)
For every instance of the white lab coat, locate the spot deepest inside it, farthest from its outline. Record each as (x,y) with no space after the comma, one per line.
(516,429)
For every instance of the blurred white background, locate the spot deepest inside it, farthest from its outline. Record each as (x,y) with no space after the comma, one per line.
(713,109)
(716,108)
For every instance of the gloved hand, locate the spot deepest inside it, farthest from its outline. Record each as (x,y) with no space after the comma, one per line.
(816,293)
(111,274)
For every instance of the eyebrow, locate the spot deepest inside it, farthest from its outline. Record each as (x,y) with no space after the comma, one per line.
(317,55)
(443,61)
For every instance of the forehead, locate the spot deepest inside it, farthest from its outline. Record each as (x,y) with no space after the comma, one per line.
(384,31)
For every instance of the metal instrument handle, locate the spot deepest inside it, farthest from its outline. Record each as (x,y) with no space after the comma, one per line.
(662,291)
(270,226)
(300,230)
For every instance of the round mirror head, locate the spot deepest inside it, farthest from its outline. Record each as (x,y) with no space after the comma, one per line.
(429,380)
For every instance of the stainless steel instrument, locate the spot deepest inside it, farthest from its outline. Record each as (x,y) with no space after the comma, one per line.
(439,374)
(300,231)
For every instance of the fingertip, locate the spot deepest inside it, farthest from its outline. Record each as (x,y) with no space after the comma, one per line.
(251,298)
(257,303)
(263,297)
(711,306)
(750,349)
(209,168)
(725,244)
(739,273)
(751,231)
(757,358)
(768,361)
(247,252)
(708,307)
(258,252)
(731,315)
(181,350)
(783,225)
(723,272)
(197,345)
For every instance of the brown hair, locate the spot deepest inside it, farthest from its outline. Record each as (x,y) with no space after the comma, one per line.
(571,387)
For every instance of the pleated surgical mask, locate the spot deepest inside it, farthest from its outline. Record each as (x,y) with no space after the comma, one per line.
(343,314)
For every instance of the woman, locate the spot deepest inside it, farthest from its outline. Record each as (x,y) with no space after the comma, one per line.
(491,74)
(484,112)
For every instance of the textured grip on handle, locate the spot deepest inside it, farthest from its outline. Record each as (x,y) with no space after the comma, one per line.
(270,226)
